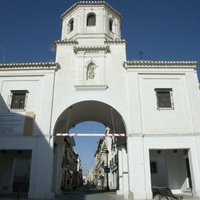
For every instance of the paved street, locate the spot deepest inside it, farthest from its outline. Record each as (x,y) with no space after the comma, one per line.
(83,193)
(90,194)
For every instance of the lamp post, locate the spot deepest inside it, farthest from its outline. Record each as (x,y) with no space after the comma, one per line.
(107,152)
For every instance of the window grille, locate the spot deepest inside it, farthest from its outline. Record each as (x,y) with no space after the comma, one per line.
(91,20)
(164,98)
(18,99)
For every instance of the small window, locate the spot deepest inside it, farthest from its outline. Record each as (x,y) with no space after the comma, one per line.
(153,167)
(18,99)
(111,25)
(164,98)
(91,20)
(71,25)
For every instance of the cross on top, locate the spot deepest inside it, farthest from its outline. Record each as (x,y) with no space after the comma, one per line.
(141,54)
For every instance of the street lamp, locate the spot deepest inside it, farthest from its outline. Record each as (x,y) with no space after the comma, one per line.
(107,152)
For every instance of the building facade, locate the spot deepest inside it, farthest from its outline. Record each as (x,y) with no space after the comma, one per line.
(156,104)
(102,163)
(71,175)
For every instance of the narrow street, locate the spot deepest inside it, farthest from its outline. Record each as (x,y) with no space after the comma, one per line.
(86,193)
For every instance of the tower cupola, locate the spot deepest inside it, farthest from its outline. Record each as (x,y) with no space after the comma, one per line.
(91,20)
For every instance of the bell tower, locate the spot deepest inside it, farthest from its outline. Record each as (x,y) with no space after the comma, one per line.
(95,20)
(91,37)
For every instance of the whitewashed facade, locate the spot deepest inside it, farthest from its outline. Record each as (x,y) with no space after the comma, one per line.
(92,80)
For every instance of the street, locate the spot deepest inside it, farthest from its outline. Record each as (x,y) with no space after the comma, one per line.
(86,193)
(82,193)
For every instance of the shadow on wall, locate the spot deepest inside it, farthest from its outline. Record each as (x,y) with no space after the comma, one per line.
(24,159)
(3,106)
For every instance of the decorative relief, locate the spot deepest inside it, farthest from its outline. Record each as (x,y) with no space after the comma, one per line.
(90,71)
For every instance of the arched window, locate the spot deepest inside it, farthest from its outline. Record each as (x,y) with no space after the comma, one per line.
(71,25)
(110,24)
(91,19)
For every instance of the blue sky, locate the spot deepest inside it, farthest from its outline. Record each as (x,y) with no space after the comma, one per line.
(86,146)
(162,29)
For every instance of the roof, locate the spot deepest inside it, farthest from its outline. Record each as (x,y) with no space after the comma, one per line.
(90,3)
(160,64)
(29,66)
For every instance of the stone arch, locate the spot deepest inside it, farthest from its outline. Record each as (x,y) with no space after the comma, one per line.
(90,110)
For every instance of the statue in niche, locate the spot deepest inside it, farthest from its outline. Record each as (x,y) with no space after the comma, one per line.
(91,73)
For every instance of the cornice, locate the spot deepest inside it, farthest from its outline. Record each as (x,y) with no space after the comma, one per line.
(116,41)
(106,49)
(72,42)
(30,66)
(170,135)
(91,87)
(157,135)
(159,64)
(88,4)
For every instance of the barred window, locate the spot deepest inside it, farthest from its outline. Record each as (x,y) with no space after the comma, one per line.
(18,99)
(164,98)
(91,20)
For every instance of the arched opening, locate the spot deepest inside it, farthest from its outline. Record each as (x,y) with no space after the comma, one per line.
(111,25)
(90,111)
(71,25)
(90,117)
(91,19)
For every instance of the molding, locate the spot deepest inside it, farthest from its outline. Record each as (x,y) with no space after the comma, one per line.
(171,135)
(116,41)
(134,135)
(159,64)
(90,87)
(106,49)
(71,42)
(30,66)
(157,135)
(196,134)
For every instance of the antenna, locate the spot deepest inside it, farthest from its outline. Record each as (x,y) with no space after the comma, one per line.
(4,54)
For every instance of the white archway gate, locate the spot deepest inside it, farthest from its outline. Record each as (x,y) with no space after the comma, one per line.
(92,111)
